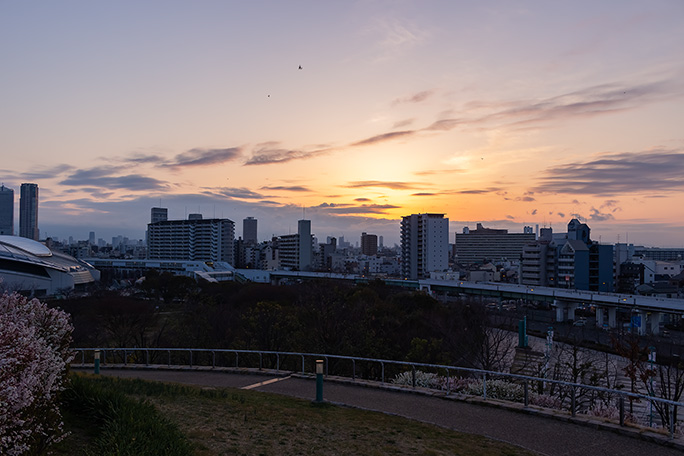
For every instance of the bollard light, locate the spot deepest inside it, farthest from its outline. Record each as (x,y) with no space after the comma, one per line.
(319,380)
(97,361)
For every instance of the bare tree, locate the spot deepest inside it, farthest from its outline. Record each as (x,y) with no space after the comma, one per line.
(496,349)
(666,382)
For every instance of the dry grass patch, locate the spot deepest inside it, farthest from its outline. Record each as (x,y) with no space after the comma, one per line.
(254,423)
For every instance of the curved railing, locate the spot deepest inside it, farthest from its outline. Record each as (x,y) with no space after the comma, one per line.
(574,397)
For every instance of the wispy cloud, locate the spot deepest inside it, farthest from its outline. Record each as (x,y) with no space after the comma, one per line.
(362,209)
(204,157)
(385,184)
(396,38)
(415,98)
(598,216)
(327,205)
(46,172)
(439,171)
(384,137)
(448,124)
(96,173)
(234,192)
(478,191)
(97,193)
(615,174)
(588,102)
(403,123)
(269,153)
(146,158)
(102,178)
(293,188)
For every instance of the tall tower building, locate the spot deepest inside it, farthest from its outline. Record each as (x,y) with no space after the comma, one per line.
(369,244)
(424,245)
(305,245)
(159,214)
(249,230)
(28,212)
(6,211)
(296,250)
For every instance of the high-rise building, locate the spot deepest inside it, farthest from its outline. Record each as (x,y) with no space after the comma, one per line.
(159,214)
(197,239)
(369,244)
(91,238)
(296,250)
(28,212)
(249,230)
(305,245)
(424,245)
(6,211)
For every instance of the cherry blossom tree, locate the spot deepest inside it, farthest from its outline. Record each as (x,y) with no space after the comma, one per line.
(34,356)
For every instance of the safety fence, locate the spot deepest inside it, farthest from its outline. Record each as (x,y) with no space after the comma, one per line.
(574,398)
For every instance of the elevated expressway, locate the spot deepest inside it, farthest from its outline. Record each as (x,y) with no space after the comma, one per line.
(647,310)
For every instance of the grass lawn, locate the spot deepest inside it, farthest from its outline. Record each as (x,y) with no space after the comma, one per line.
(238,422)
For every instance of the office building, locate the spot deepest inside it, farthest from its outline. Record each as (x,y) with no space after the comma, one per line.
(28,212)
(369,244)
(190,240)
(6,211)
(484,245)
(159,214)
(424,245)
(249,230)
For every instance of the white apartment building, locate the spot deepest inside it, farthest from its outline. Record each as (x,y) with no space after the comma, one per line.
(191,240)
(424,245)
(296,250)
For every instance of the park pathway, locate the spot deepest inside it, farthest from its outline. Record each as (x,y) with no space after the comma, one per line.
(541,434)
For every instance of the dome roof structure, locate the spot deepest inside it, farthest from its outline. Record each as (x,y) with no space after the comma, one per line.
(30,267)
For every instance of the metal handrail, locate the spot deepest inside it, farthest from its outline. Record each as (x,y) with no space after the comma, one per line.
(354,359)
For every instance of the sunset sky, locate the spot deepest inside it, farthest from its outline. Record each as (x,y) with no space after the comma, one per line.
(503,113)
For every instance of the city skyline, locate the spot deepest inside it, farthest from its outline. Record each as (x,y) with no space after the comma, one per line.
(504,114)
